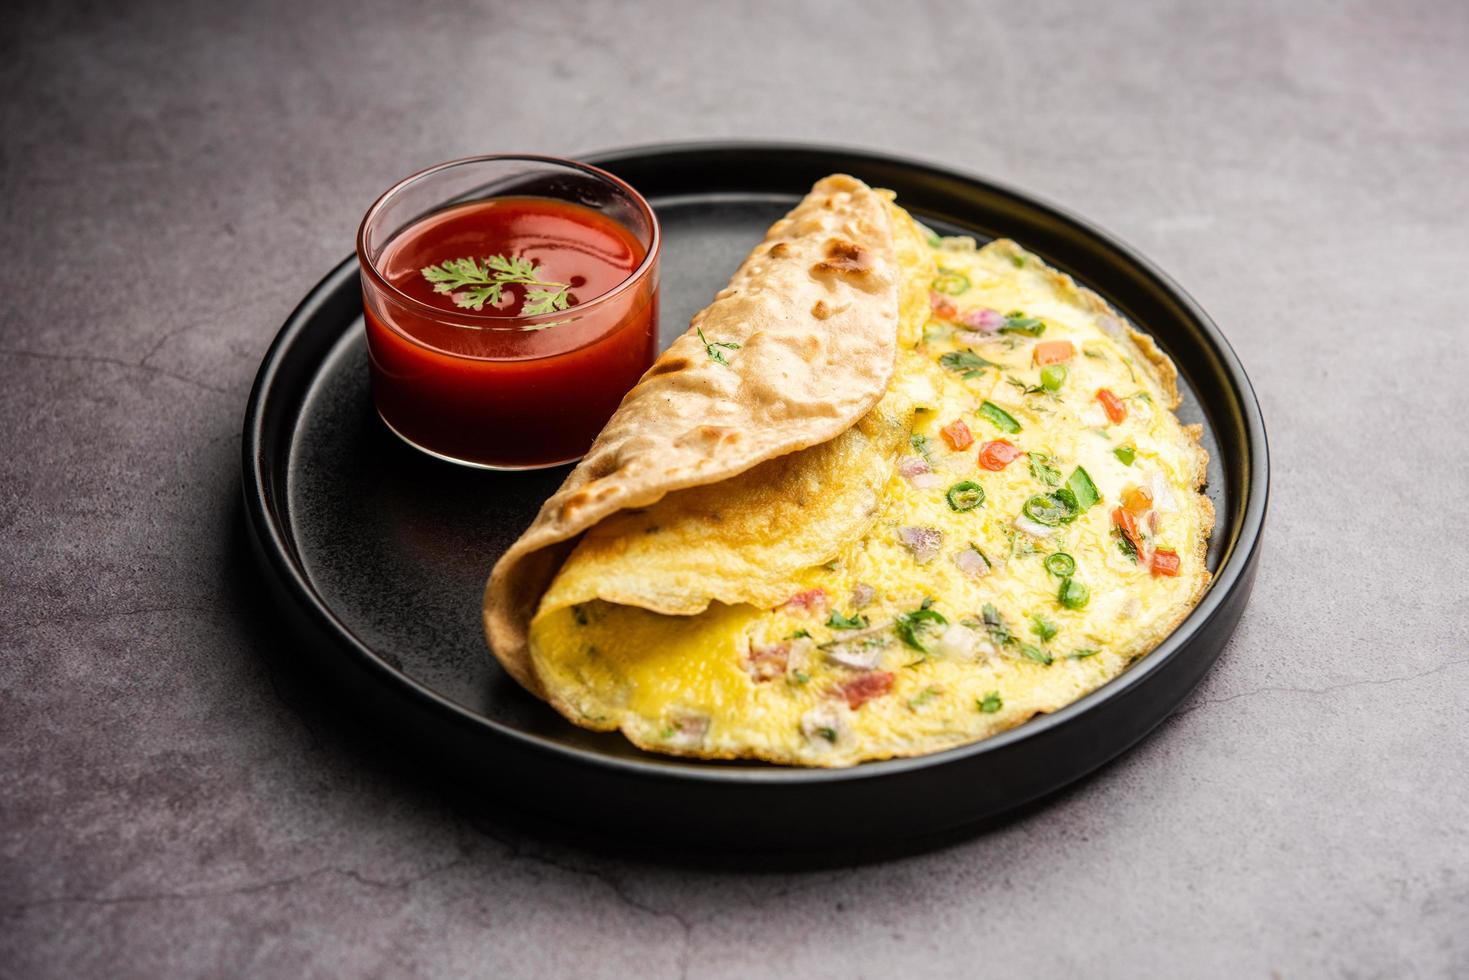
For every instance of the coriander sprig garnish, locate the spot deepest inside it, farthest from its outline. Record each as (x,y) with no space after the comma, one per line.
(488,279)
(711,347)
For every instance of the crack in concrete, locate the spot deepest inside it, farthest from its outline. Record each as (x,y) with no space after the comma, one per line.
(613,884)
(400,884)
(1330,688)
(117,362)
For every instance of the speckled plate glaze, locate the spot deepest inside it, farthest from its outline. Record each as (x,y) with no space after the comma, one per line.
(377,555)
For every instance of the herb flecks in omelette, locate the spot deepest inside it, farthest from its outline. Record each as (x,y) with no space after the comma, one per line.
(983,592)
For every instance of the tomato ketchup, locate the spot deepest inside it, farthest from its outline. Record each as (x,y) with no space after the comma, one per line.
(504,332)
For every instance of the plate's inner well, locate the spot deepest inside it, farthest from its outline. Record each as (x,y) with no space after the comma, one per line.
(398,545)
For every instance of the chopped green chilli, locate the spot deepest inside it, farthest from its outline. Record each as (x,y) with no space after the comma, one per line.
(951,283)
(1082,488)
(1053,376)
(1017,322)
(992,702)
(1043,628)
(1073,594)
(1052,508)
(1002,419)
(965,496)
(1061,564)
(1126,454)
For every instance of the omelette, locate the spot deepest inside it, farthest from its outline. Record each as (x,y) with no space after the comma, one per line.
(892,493)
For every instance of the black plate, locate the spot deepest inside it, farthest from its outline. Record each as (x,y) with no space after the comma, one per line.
(379,554)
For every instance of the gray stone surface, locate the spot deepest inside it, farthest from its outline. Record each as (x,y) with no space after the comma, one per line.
(175,176)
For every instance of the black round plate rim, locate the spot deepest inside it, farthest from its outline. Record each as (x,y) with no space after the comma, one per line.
(274,542)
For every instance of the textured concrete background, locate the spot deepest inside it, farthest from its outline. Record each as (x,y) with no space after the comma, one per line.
(174,801)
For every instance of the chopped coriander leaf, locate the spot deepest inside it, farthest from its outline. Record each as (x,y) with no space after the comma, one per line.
(1125,545)
(1035,653)
(951,283)
(712,347)
(1022,387)
(1073,594)
(1094,353)
(487,282)
(799,677)
(1018,261)
(1053,376)
(920,444)
(964,360)
(922,697)
(1126,454)
(1042,470)
(1082,488)
(1060,564)
(992,702)
(965,496)
(1043,628)
(995,625)
(1017,322)
(837,621)
(800,635)
(1081,654)
(827,732)
(1002,419)
(913,627)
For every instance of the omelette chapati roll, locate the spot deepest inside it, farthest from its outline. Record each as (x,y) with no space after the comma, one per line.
(891,493)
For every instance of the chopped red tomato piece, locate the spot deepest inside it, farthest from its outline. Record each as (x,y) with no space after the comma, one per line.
(942,307)
(810,599)
(864,687)
(1053,352)
(1165,562)
(957,435)
(1125,522)
(765,663)
(1116,410)
(997,455)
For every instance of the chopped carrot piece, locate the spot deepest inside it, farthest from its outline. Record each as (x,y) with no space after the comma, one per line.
(1054,352)
(1116,410)
(1138,500)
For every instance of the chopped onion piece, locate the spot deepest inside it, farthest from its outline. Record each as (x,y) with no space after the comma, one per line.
(857,656)
(971,562)
(687,730)
(1033,527)
(958,642)
(983,320)
(825,725)
(1163,500)
(923,542)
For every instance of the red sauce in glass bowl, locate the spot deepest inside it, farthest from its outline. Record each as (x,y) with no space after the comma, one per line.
(494,386)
